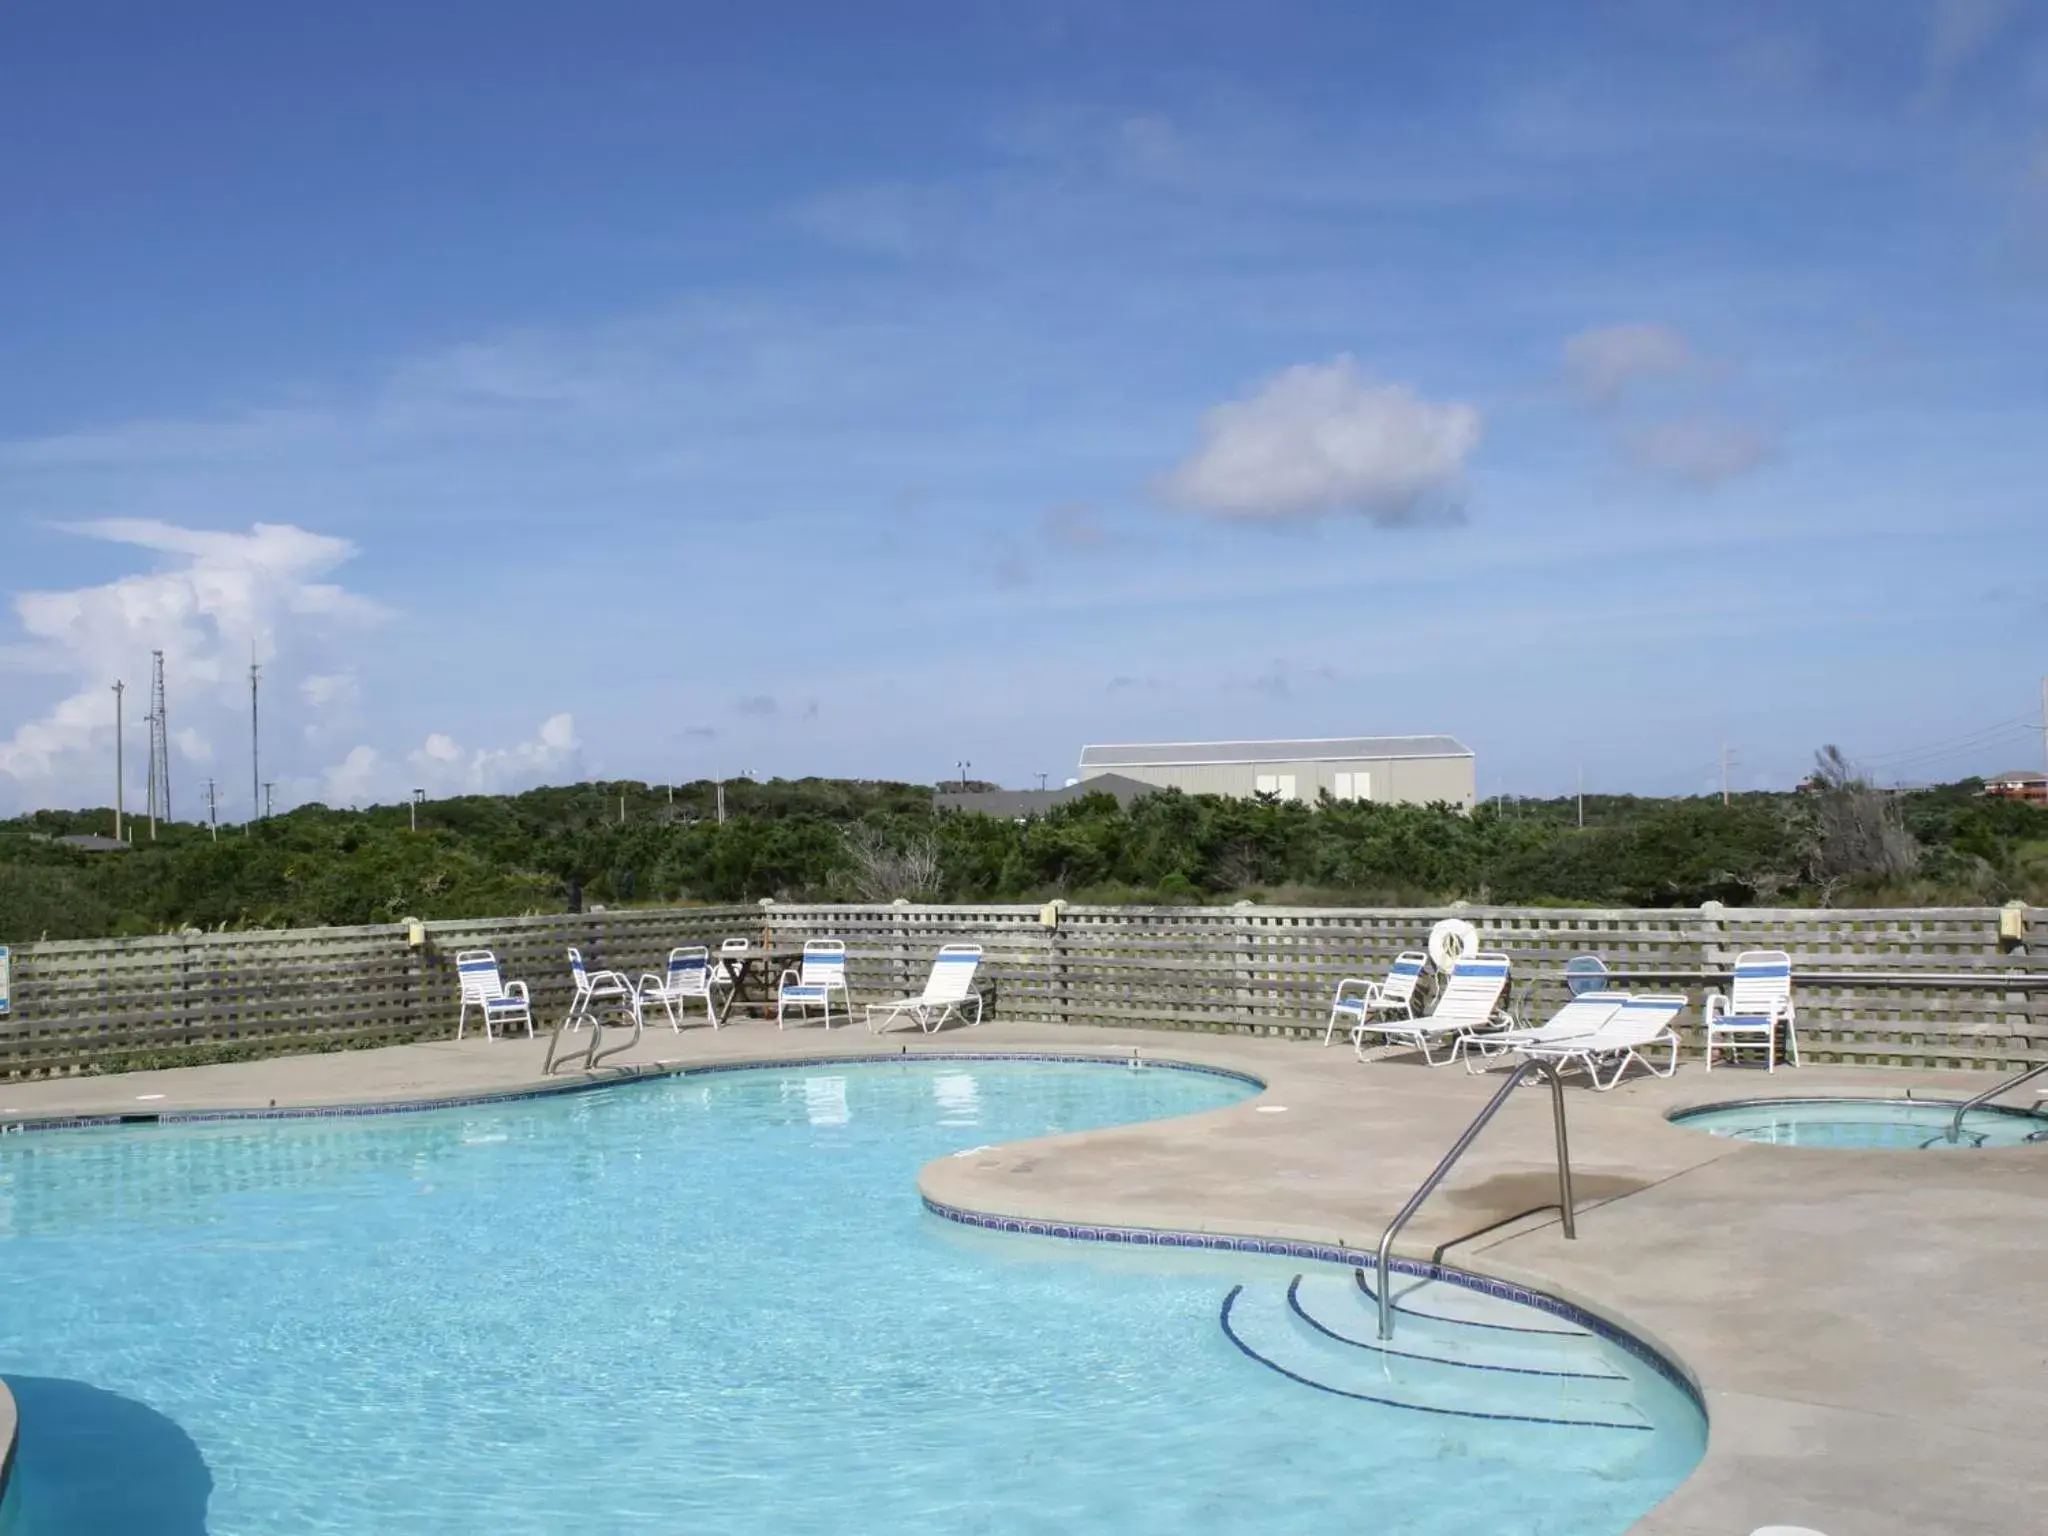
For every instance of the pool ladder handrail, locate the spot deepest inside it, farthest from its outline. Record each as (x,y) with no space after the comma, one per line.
(1955,1126)
(1450,1158)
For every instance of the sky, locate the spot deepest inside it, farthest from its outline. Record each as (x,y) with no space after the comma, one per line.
(662,391)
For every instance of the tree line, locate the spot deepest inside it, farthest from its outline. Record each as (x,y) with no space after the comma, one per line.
(1836,840)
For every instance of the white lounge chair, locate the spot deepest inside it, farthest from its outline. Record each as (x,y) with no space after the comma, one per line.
(595,989)
(1759,1001)
(689,977)
(1581,1016)
(1468,1006)
(948,993)
(812,984)
(1638,1025)
(1360,998)
(499,1001)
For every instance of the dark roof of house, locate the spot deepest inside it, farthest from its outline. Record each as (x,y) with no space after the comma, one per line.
(2019,776)
(1179,754)
(1015,804)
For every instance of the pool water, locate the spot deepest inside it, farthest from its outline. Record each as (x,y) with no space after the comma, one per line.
(716,1304)
(1864,1124)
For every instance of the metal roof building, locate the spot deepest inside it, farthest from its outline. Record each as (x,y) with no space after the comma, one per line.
(1400,769)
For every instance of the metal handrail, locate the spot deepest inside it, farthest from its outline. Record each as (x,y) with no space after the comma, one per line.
(1471,1133)
(1955,1126)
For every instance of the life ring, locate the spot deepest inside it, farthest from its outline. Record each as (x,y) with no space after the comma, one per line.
(1450,941)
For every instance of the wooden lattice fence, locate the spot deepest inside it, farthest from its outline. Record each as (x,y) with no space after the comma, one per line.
(1918,987)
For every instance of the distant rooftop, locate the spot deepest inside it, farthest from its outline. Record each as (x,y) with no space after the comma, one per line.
(1177,754)
(2018,776)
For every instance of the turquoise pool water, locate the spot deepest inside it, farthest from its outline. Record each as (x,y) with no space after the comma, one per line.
(1864,1124)
(715,1304)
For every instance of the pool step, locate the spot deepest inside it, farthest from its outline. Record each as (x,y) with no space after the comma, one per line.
(1295,1330)
(1502,1337)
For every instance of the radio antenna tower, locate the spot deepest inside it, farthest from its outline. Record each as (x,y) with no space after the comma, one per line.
(159,747)
(255,744)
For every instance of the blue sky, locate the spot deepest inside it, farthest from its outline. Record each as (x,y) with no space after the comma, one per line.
(663,391)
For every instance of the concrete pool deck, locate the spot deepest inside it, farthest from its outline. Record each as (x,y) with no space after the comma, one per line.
(1869,1329)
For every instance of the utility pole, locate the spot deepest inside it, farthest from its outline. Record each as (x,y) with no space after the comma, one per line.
(119,777)
(159,747)
(963,765)
(1724,773)
(1041,783)
(268,786)
(721,802)
(212,811)
(622,807)
(1582,799)
(412,808)
(255,743)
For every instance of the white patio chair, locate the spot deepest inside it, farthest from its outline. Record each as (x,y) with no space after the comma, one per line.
(1758,1002)
(1639,1024)
(1468,1006)
(1360,998)
(812,984)
(689,977)
(594,989)
(500,1002)
(948,993)
(1581,1016)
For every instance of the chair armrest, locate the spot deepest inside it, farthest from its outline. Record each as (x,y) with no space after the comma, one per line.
(1714,1006)
(1351,981)
(516,989)
(649,982)
(788,976)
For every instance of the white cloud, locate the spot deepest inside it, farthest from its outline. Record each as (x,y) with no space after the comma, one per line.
(355,779)
(330,691)
(1604,364)
(441,765)
(1698,451)
(1322,438)
(217,600)
(1957,32)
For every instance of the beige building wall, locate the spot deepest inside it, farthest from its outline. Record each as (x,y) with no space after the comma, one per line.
(1389,780)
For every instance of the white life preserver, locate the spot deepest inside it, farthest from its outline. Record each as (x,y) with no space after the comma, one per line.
(1451,940)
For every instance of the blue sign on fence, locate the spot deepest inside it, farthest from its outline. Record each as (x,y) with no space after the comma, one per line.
(6,980)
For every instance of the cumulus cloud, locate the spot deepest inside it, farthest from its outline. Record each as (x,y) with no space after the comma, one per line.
(441,765)
(354,780)
(1323,438)
(1603,364)
(215,600)
(1697,451)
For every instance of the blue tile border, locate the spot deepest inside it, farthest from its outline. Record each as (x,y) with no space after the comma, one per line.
(1326,1253)
(616,1078)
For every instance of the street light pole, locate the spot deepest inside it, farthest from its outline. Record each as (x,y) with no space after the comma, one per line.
(120,778)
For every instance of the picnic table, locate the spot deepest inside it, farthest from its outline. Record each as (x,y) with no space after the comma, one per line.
(752,974)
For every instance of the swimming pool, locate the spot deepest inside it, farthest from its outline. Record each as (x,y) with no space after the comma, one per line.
(715,1304)
(1863,1124)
